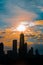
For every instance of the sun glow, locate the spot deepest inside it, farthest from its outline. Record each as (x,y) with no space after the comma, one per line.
(21,28)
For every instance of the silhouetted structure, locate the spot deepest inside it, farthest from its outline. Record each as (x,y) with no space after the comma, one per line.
(13,56)
(9,53)
(15,46)
(21,46)
(36,52)
(21,40)
(30,53)
(1,48)
(25,48)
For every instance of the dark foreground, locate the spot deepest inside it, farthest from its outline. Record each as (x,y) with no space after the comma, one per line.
(31,60)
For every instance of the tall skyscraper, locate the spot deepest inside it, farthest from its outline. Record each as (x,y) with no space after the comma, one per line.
(15,46)
(21,46)
(21,40)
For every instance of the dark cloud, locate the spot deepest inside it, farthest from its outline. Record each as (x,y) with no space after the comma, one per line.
(35,38)
(38,28)
(1,36)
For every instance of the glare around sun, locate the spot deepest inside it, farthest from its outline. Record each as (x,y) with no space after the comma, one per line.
(21,28)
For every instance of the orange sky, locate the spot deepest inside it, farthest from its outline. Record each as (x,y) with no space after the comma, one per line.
(38,22)
(10,35)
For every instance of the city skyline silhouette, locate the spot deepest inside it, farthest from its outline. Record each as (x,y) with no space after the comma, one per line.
(22,44)
(22,50)
(21,32)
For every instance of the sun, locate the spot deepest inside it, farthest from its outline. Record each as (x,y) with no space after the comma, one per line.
(21,28)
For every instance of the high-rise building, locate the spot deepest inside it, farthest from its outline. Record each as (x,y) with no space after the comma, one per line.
(21,40)
(1,48)
(25,48)
(15,46)
(21,46)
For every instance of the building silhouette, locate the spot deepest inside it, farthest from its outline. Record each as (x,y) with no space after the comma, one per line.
(25,48)
(36,52)
(15,46)
(13,53)
(1,48)
(13,56)
(21,40)
(22,46)
(30,53)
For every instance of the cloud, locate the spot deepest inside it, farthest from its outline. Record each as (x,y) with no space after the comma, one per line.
(5,6)
(1,37)
(35,6)
(21,16)
(3,24)
(12,11)
(40,7)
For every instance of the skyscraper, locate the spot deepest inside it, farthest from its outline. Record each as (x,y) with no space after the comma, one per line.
(1,48)
(15,46)
(21,46)
(25,48)
(21,40)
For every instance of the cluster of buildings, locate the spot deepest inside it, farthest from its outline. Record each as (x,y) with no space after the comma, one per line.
(22,49)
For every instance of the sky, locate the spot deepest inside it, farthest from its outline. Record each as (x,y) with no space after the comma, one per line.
(11,11)
(16,12)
